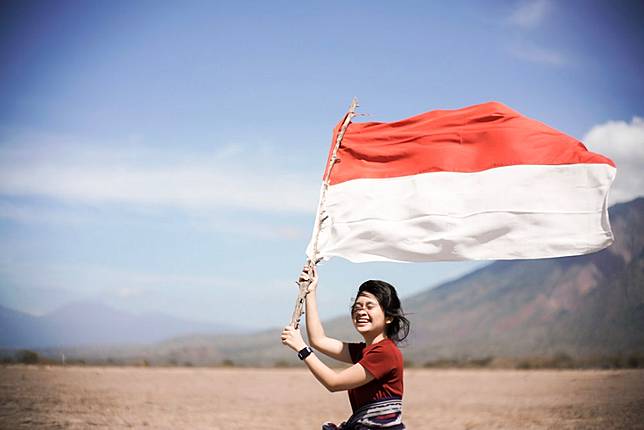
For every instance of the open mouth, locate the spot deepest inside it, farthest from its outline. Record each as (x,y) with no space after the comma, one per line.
(362,321)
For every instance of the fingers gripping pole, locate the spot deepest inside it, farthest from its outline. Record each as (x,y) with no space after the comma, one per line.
(303,286)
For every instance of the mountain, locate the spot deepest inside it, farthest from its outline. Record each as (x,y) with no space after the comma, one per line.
(90,323)
(584,306)
(19,329)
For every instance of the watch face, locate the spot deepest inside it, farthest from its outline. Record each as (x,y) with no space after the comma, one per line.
(304,353)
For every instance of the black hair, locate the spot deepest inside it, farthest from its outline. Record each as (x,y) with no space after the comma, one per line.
(398,329)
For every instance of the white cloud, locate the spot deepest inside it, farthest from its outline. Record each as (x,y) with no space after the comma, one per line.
(90,279)
(236,177)
(622,142)
(536,54)
(26,214)
(530,14)
(127,292)
(189,187)
(252,228)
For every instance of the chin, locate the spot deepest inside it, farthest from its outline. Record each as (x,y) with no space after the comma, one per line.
(366,330)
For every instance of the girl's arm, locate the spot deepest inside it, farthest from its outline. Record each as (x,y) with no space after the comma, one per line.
(354,376)
(319,340)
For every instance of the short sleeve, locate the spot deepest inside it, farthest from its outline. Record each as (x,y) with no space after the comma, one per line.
(377,360)
(355,351)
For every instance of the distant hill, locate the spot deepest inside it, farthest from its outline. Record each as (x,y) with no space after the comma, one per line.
(89,323)
(586,306)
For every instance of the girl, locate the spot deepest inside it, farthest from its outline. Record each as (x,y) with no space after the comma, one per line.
(375,380)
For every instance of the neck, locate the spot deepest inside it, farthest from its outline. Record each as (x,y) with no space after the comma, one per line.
(370,339)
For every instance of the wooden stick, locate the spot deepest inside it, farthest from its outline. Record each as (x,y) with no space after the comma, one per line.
(299,303)
(301,296)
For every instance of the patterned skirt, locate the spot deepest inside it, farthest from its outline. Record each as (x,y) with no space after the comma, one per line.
(381,414)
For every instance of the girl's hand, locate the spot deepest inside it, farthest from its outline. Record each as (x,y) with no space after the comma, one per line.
(309,275)
(292,338)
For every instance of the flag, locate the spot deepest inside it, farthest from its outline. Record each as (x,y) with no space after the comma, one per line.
(479,183)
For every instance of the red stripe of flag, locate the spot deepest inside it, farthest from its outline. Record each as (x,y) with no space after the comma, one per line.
(471,139)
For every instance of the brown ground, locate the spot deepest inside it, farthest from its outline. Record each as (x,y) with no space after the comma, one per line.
(186,398)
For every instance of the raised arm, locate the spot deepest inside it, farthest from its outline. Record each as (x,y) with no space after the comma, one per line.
(354,376)
(319,340)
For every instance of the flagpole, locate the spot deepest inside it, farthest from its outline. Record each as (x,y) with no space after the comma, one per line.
(299,303)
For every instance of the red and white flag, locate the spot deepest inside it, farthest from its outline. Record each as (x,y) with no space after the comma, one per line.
(478,183)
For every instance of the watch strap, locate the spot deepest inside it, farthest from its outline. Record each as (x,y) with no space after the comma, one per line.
(304,352)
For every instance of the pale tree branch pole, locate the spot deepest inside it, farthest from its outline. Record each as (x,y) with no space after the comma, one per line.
(303,287)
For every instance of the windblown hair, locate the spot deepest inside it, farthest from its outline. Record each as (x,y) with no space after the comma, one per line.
(398,329)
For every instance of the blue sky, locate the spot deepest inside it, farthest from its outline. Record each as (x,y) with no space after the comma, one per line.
(167,156)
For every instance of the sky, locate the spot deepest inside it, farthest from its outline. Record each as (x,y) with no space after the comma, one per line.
(167,156)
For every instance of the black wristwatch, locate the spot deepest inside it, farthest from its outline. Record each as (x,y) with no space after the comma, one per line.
(304,352)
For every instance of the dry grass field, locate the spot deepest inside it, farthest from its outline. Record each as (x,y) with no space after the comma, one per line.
(35,397)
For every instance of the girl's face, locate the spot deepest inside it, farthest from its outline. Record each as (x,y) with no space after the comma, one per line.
(367,315)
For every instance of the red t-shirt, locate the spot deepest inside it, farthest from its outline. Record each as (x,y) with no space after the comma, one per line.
(385,362)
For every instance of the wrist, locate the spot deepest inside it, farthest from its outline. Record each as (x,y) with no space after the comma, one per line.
(304,352)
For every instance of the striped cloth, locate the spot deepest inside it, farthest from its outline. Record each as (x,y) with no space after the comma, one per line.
(381,414)
(478,183)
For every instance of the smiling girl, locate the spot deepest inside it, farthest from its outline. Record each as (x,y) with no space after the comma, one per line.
(375,379)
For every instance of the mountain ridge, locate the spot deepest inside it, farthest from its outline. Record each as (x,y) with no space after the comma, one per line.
(94,323)
(580,307)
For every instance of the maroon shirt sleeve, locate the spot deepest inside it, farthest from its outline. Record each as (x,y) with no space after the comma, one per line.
(377,360)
